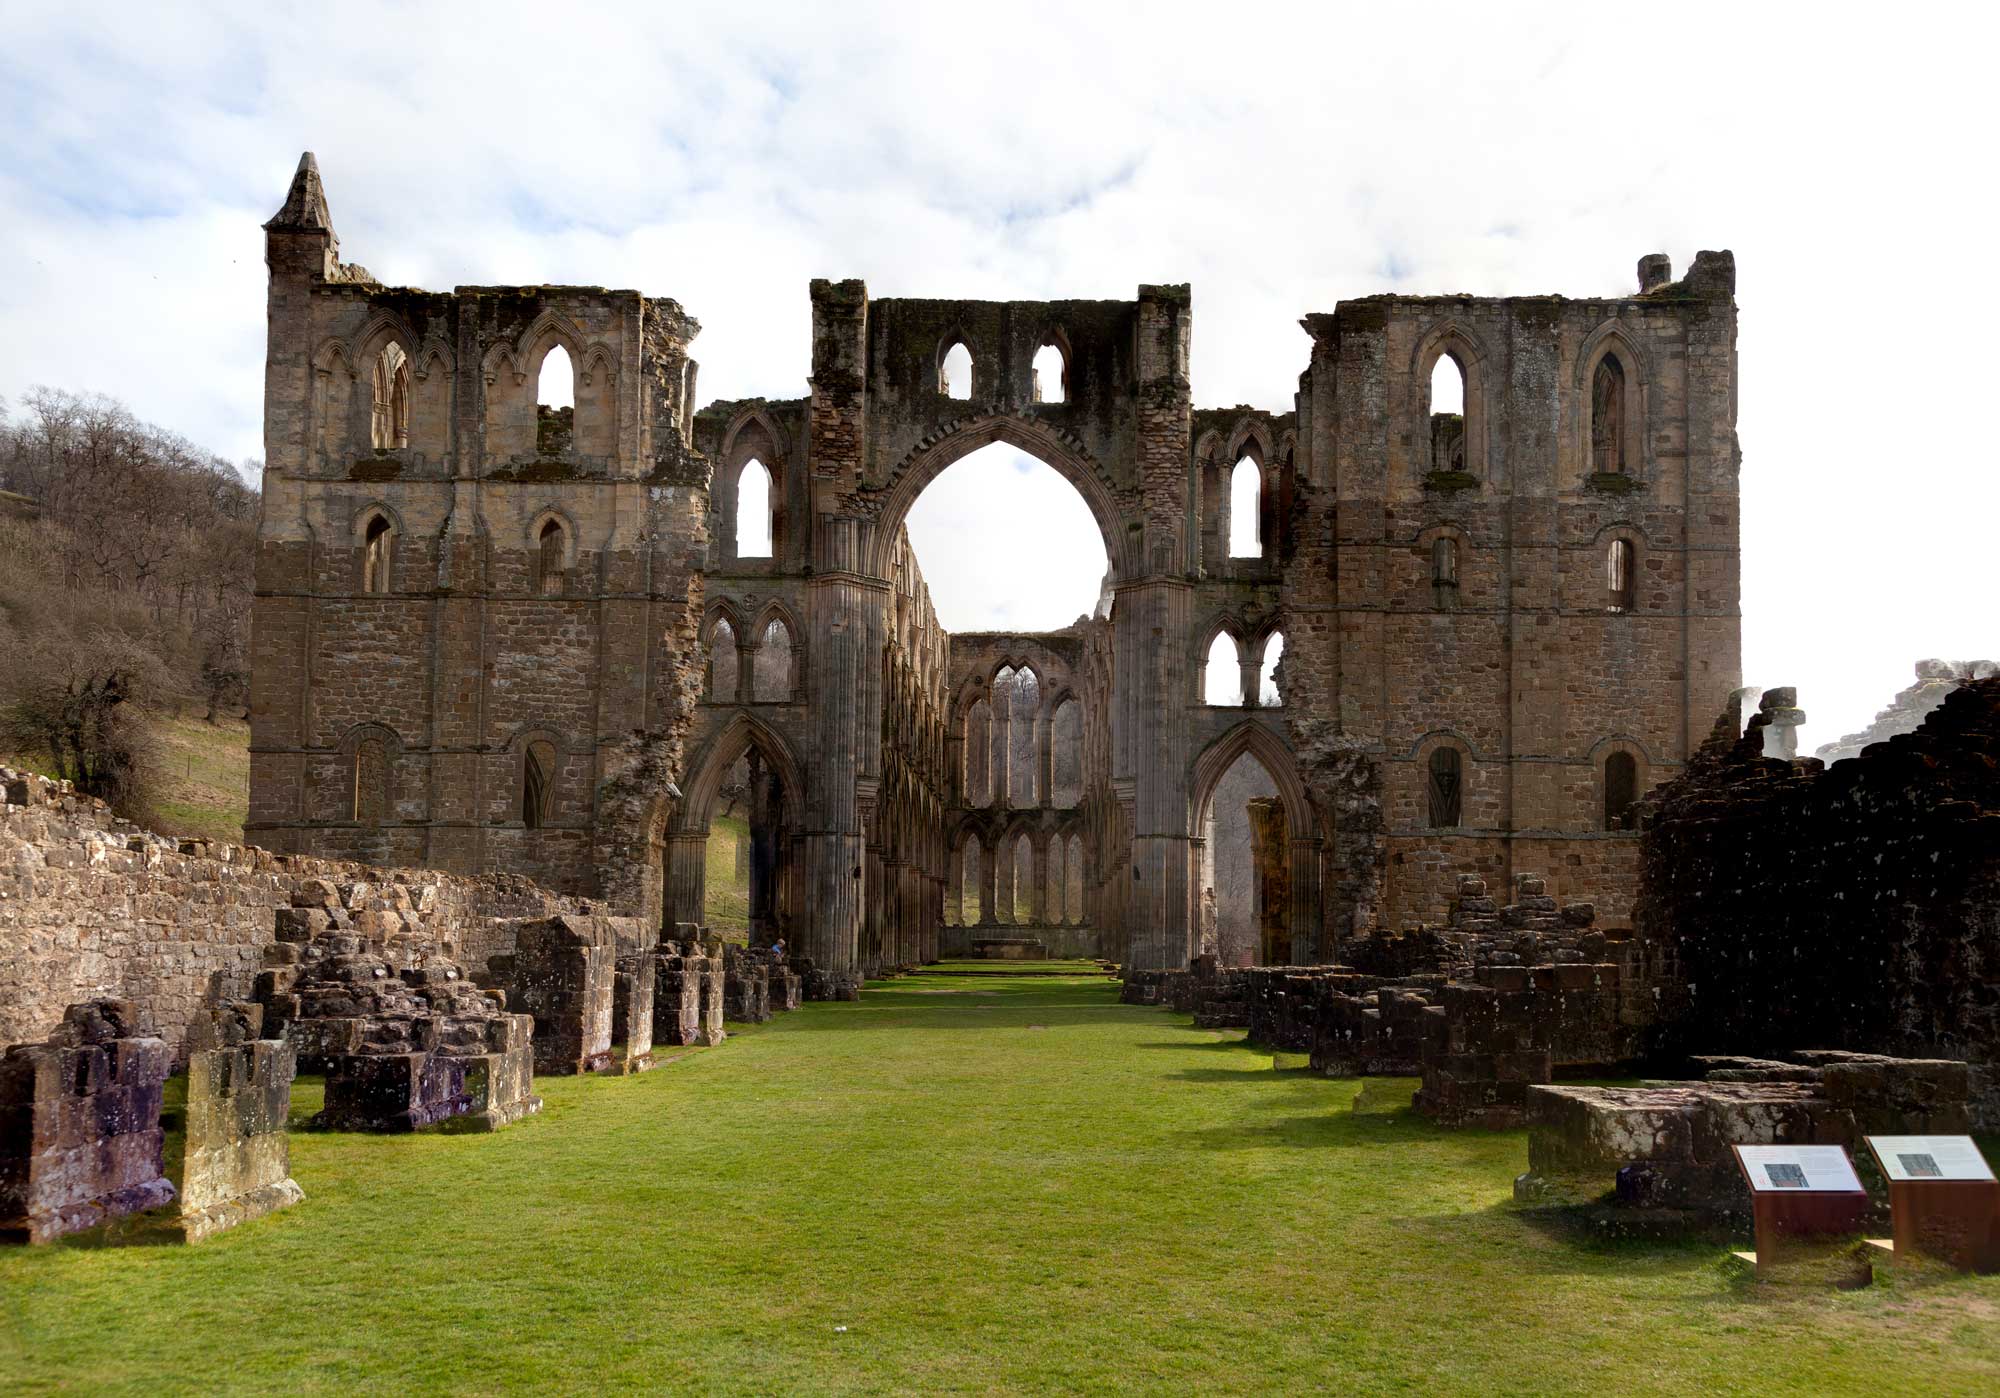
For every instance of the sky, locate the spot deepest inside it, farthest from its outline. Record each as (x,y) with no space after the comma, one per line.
(1279,158)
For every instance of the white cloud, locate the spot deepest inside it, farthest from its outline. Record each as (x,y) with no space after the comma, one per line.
(1277,157)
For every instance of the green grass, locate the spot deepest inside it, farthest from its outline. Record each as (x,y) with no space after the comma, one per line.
(198,775)
(725,900)
(995,1186)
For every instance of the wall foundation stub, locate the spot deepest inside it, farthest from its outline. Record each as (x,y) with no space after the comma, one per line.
(80,1136)
(234,1162)
(635,991)
(563,973)
(677,993)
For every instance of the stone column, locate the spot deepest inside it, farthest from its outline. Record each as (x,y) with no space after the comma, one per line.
(1045,766)
(1039,896)
(1309,940)
(1271,902)
(687,875)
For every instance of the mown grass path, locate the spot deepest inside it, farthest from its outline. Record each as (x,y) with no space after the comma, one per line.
(994,1186)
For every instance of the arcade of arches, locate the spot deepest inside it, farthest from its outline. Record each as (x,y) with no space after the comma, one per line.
(1451,611)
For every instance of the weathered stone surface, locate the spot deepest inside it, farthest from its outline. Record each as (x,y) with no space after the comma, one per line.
(563,973)
(80,1135)
(677,1000)
(92,905)
(234,1162)
(1788,904)
(600,589)
(405,1040)
(1666,1146)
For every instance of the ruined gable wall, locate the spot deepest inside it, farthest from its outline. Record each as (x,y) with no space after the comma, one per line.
(1792,906)
(1526,670)
(470,653)
(94,906)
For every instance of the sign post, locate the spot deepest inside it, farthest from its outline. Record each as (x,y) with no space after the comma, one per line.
(1800,1192)
(1943,1199)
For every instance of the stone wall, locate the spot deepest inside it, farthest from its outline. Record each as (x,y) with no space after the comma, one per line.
(1794,905)
(92,906)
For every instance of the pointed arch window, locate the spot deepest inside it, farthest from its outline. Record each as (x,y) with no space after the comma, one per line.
(1607,417)
(1051,374)
(1447,418)
(771,672)
(1444,788)
(371,782)
(722,663)
(550,572)
(1246,509)
(1444,573)
(955,371)
(1621,790)
(378,546)
(1222,679)
(538,784)
(1618,576)
(389,421)
(555,404)
(1268,696)
(753,510)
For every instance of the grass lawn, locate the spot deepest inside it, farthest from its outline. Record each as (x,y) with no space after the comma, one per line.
(994,1186)
(726,893)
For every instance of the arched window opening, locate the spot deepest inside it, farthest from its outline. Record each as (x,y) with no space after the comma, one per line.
(378,544)
(1445,788)
(979,755)
(753,511)
(1447,414)
(1066,759)
(550,574)
(555,404)
(1621,790)
(1021,696)
(1618,576)
(1444,573)
(1607,417)
(1244,907)
(955,372)
(1246,505)
(1222,677)
(389,423)
(722,663)
(371,782)
(1051,375)
(538,784)
(771,674)
(1267,676)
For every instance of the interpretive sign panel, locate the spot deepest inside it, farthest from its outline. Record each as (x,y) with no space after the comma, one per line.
(1930,1158)
(1798,1169)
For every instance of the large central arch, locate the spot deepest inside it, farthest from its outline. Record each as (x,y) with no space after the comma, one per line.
(1038,439)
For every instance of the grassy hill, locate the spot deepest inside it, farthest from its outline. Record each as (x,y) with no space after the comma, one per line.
(726,900)
(199,776)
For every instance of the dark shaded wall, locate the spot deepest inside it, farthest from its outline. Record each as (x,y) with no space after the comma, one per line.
(1790,905)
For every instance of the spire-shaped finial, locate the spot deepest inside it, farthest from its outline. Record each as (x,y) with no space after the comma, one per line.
(305,202)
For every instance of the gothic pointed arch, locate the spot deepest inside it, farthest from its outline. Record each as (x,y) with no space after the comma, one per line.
(1260,740)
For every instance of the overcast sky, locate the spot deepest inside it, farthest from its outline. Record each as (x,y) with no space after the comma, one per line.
(1279,159)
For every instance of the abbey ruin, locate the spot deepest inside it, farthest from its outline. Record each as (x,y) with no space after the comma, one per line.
(498,636)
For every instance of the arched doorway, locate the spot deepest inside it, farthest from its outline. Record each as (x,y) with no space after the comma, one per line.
(1256,851)
(731,844)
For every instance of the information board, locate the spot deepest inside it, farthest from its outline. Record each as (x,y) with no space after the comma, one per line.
(1798,1169)
(1930,1158)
